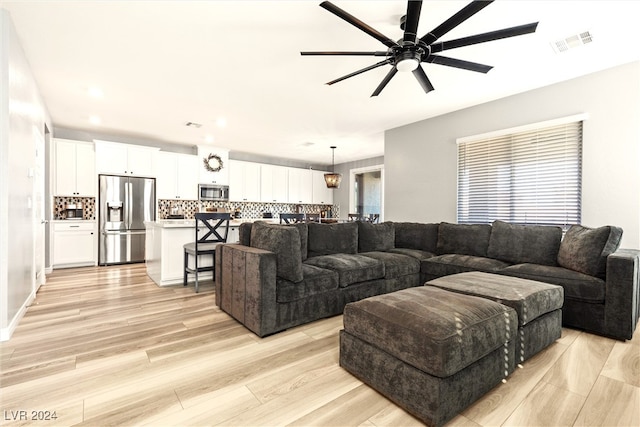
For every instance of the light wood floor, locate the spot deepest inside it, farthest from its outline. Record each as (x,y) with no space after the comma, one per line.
(106,346)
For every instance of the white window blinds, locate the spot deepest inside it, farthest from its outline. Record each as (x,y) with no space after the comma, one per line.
(528,177)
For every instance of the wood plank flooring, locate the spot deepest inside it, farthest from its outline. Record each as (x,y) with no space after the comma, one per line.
(106,346)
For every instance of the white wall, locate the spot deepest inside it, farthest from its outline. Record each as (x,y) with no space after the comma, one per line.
(420,158)
(21,109)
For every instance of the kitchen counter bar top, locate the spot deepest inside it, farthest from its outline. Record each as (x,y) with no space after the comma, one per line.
(188,223)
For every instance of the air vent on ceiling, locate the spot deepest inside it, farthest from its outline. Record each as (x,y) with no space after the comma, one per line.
(193,125)
(571,42)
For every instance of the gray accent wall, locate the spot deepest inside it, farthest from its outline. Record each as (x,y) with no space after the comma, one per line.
(421,158)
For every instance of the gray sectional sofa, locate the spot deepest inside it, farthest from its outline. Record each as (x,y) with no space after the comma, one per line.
(278,277)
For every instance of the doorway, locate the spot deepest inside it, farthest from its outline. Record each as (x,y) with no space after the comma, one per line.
(366,191)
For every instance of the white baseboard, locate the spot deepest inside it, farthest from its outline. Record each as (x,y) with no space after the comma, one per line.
(5,333)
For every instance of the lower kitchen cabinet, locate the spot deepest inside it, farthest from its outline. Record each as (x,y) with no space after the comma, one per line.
(74,243)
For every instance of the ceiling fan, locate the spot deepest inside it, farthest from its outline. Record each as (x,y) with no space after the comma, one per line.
(407,53)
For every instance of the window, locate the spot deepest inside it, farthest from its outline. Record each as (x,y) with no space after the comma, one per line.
(532,175)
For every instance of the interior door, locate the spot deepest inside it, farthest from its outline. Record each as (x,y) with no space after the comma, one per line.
(39,220)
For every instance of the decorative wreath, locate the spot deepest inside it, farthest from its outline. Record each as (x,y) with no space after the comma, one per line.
(213,163)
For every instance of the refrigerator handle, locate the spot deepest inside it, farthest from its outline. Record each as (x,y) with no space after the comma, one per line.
(125,211)
(130,203)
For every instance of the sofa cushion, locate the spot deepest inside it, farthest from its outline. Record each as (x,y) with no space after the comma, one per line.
(244,232)
(577,286)
(284,241)
(436,331)
(443,265)
(375,237)
(315,280)
(395,265)
(326,239)
(245,235)
(529,298)
(463,239)
(586,249)
(351,268)
(412,235)
(414,253)
(519,244)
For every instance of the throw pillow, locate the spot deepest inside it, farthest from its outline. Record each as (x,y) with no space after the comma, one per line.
(585,249)
(327,239)
(412,235)
(375,237)
(519,244)
(284,241)
(463,239)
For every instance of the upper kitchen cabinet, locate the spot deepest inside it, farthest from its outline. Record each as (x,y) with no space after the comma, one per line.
(177,176)
(125,159)
(244,181)
(75,173)
(299,186)
(320,193)
(213,165)
(274,184)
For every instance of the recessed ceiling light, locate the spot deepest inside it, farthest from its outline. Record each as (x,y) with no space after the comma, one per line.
(209,139)
(221,122)
(95,120)
(95,92)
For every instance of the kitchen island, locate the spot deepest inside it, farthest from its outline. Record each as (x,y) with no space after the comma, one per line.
(164,255)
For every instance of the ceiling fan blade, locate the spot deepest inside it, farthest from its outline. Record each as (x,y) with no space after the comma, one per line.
(357,23)
(355,73)
(465,13)
(377,53)
(423,79)
(459,63)
(485,37)
(411,23)
(392,72)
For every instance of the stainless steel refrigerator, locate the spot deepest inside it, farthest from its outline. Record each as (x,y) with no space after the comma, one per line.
(125,203)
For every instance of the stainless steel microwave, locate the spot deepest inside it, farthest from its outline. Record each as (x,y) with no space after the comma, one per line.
(213,192)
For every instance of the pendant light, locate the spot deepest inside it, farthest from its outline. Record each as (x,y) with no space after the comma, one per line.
(333,179)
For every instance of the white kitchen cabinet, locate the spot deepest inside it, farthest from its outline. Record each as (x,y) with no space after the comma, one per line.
(320,193)
(125,159)
(244,181)
(177,176)
(300,186)
(274,184)
(205,176)
(74,243)
(75,173)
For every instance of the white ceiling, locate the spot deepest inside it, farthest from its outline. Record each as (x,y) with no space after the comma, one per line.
(163,63)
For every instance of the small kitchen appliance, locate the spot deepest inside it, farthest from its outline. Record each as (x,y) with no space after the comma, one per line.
(73,211)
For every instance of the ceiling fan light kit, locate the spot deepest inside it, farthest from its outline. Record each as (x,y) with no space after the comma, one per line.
(333,179)
(408,53)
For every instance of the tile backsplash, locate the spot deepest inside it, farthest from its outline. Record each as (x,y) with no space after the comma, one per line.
(247,209)
(88,208)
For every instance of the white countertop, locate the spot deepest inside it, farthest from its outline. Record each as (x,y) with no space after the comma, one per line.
(188,223)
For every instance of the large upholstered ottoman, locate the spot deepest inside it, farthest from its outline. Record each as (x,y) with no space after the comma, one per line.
(431,351)
(539,305)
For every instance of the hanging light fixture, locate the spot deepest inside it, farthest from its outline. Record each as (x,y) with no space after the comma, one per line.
(333,179)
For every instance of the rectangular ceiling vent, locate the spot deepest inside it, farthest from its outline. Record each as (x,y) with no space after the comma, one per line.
(571,42)
(193,125)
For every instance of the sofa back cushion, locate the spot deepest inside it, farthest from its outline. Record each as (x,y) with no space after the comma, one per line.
(245,236)
(284,241)
(327,239)
(463,239)
(376,237)
(519,244)
(412,235)
(585,249)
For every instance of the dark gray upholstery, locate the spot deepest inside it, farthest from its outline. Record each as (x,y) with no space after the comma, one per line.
(413,253)
(244,233)
(395,265)
(443,265)
(517,244)
(284,241)
(375,237)
(463,239)
(326,239)
(413,235)
(316,281)
(351,268)
(586,249)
